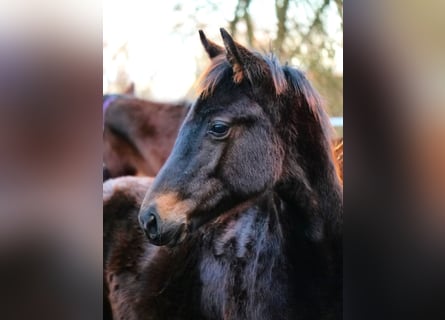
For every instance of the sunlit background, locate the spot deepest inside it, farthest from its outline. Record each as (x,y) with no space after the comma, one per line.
(155,44)
(51,146)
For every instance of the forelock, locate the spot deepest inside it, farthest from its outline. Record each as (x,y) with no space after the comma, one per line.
(221,70)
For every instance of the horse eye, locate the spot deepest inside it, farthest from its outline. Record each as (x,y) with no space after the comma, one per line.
(219,129)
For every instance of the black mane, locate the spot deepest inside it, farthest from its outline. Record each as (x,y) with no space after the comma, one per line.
(285,79)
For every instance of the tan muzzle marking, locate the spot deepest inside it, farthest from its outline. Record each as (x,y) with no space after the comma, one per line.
(171,207)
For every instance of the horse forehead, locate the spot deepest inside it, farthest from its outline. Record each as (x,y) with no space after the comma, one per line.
(232,105)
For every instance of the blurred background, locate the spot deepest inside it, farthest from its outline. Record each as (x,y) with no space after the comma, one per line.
(146,43)
(52,54)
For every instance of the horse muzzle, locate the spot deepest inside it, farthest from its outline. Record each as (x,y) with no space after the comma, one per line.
(161,232)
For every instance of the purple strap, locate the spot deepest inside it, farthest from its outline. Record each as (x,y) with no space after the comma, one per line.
(107,103)
(105,106)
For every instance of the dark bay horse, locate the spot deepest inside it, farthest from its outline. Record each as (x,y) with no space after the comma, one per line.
(138,134)
(244,220)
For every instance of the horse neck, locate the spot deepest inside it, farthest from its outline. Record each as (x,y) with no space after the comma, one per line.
(264,249)
(310,216)
(310,184)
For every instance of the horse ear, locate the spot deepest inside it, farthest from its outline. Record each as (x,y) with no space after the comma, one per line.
(130,89)
(244,62)
(210,47)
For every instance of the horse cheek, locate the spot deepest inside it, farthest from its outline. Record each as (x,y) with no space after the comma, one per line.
(248,169)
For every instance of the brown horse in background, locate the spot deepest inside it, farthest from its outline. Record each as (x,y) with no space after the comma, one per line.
(123,239)
(138,135)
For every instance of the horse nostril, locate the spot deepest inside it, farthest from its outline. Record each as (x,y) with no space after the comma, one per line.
(151,227)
